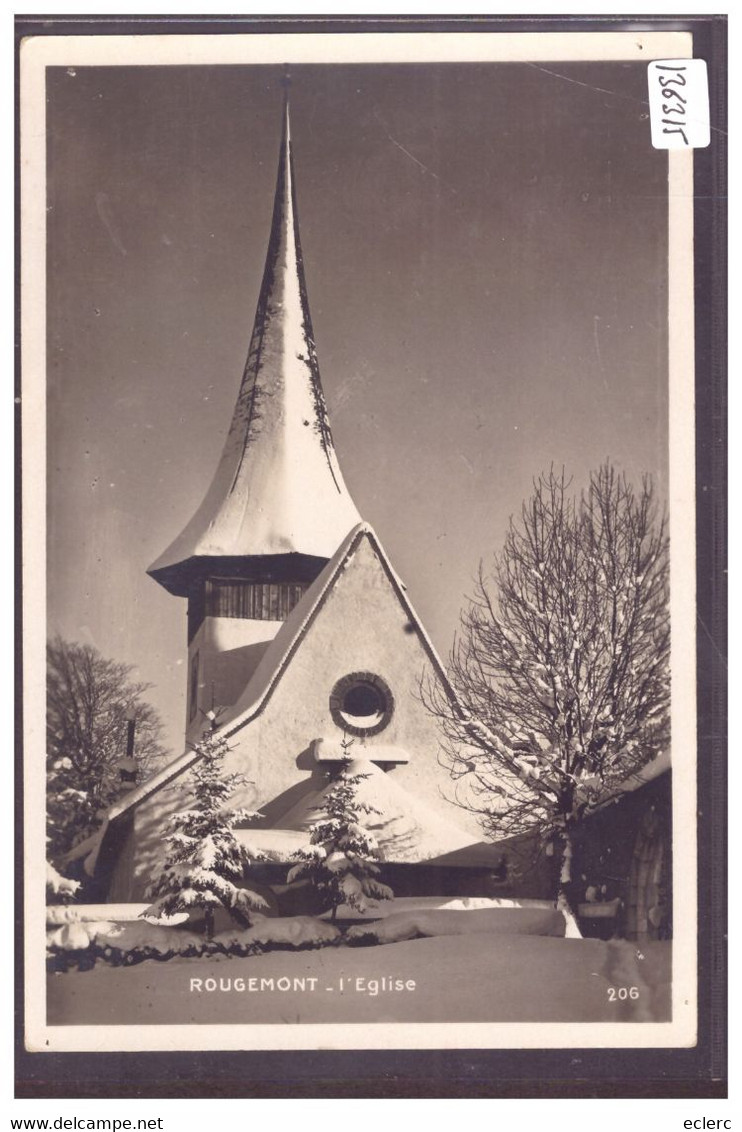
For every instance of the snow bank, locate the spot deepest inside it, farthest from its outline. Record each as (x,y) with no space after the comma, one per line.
(135,935)
(436,903)
(297,931)
(114,913)
(415,904)
(493,921)
(134,941)
(76,936)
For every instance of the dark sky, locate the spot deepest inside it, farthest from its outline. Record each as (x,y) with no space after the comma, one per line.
(485,249)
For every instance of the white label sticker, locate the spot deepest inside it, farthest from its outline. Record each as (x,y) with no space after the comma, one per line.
(679,104)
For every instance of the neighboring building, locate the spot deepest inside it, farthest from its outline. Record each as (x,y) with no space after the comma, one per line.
(300,634)
(622,865)
(624,859)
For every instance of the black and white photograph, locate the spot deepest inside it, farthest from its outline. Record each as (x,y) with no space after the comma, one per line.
(359,487)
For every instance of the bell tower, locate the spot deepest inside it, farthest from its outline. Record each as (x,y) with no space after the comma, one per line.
(277,508)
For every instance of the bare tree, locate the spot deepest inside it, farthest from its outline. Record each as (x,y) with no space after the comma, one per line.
(560,676)
(90,701)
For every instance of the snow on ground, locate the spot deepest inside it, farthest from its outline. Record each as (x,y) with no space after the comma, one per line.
(472,978)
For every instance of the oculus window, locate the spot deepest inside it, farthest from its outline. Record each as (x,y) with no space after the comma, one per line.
(361,703)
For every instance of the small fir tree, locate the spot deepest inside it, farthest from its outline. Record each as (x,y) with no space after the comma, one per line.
(340,860)
(205,866)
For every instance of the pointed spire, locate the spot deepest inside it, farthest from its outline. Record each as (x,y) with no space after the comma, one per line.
(278,488)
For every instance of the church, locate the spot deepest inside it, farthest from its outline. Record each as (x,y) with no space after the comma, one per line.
(304,650)
(303,645)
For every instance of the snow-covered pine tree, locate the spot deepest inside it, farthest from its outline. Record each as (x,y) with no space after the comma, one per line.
(340,861)
(205,866)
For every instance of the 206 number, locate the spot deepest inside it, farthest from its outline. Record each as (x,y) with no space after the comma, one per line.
(620,994)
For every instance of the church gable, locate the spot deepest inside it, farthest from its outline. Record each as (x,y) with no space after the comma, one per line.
(350,672)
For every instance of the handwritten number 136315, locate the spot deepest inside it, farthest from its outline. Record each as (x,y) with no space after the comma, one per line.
(673,101)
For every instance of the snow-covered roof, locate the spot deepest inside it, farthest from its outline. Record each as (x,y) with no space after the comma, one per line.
(333,751)
(150,785)
(277,845)
(406,829)
(660,764)
(278,488)
(651,770)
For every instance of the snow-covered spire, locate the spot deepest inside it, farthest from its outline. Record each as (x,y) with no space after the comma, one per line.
(278,488)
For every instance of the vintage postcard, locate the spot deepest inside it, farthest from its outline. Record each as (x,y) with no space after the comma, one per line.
(358,391)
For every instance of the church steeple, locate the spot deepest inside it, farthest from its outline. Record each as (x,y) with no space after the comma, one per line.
(278,495)
(277,509)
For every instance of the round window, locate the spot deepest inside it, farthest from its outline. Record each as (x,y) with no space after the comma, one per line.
(361,703)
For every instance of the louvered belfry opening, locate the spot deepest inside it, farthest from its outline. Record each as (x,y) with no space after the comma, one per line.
(250,589)
(259,601)
(237,598)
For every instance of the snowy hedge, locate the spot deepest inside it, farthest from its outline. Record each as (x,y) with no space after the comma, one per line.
(83,944)
(494,921)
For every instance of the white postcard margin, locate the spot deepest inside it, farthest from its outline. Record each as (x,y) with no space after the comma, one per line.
(270,49)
